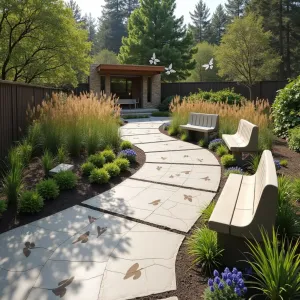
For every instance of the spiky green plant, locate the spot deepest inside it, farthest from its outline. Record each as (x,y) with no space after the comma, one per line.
(207,211)
(47,162)
(253,163)
(276,268)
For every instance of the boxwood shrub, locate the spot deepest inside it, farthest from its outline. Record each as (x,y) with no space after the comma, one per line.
(48,189)
(66,180)
(30,202)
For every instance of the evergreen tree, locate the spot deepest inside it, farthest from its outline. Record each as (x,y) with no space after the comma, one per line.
(75,10)
(218,23)
(235,8)
(90,26)
(111,26)
(282,18)
(153,28)
(200,24)
(130,6)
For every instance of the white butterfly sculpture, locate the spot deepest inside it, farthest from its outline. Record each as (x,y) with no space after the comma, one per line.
(169,70)
(154,60)
(210,65)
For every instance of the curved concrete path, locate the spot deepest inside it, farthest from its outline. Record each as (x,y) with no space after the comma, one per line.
(82,253)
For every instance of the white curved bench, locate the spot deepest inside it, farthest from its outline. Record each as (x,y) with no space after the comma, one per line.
(248,203)
(205,123)
(244,140)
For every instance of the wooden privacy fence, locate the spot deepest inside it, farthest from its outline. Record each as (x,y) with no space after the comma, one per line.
(261,90)
(14,100)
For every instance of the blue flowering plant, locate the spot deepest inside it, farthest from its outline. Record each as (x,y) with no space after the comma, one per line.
(214,144)
(234,170)
(228,285)
(129,154)
(277,164)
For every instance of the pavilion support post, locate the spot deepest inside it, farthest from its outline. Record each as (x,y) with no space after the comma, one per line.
(144,92)
(107,85)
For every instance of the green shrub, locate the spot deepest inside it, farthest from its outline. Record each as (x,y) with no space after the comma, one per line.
(234,170)
(112,169)
(62,155)
(24,150)
(127,117)
(214,144)
(161,114)
(225,95)
(13,181)
(221,150)
(122,163)
(294,139)
(3,207)
(108,155)
(30,202)
(228,160)
(184,136)
(48,189)
(203,247)
(87,168)
(202,143)
(276,268)
(126,145)
(287,220)
(254,163)
(165,105)
(172,131)
(47,162)
(99,176)
(206,212)
(97,159)
(283,163)
(286,107)
(66,180)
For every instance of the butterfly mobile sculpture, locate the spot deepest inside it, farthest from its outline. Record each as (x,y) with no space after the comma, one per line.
(210,65)
(153,61)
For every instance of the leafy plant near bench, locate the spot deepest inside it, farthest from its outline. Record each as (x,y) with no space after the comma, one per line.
(221,150)
(228,160)
(214,144)
(206,212)
(203,246)
(234,170)
(276,267)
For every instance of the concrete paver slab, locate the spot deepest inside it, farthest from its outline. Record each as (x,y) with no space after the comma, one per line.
(148,138)
(132,131)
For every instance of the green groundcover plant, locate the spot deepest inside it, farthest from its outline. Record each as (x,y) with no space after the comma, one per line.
(48,189)
(30,202)
(87,168)
(122,163)
(112,169)
(66,180)
(99,176)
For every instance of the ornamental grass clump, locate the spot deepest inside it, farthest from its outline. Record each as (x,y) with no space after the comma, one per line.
(276,267)
(227,285)
(83,122)
(129,154)
(230,115)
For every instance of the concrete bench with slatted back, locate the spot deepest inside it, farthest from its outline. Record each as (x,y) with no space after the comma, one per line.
(248,202)
(205,123)
(244,140)
(127,101)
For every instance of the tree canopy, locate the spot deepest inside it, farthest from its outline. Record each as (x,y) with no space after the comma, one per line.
(235,8)
(105,57)
(245,54)
(153,28)
(218,23)
(203,56)
(41,42)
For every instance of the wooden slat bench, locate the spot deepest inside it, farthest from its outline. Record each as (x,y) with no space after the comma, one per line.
(246,204)
(244,140)
(205,123)
(128,102)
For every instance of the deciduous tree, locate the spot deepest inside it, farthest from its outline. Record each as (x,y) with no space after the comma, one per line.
(105,57)
(245,54)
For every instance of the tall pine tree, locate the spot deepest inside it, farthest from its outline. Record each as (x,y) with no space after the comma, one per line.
(153,28)
(200,22)
(130,6)
(235,8)
(282,18)
(111,26)
(218,23)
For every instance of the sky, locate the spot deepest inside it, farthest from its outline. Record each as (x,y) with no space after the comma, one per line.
(183,7)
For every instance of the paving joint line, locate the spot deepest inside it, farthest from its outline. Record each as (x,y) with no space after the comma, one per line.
(168,229)
(136,144)
(184,164)
(168,150)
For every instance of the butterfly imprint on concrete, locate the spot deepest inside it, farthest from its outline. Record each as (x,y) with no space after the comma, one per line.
(133,272)
(155,202)
(163,158)
(158,168)
(206,178)
(92,219)
(188,197)
(28,246)
(100,230)
(61,289)
(186,172)
(186,156)
(83,238)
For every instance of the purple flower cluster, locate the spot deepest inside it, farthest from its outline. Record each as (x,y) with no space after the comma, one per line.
(277,164)
(129,154)
(234,170)
(232,279)
(214,144)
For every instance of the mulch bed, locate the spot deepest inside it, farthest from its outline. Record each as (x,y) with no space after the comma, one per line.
(83,191)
